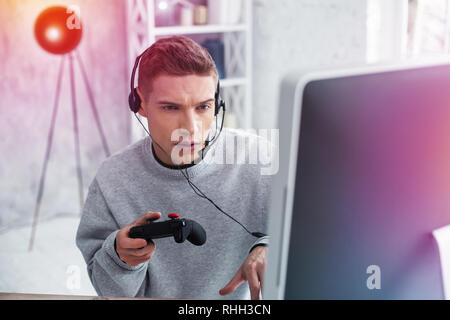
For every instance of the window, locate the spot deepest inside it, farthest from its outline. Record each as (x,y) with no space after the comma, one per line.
(428,27)
(407,28)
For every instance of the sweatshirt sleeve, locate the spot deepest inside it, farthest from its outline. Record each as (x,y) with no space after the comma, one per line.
(263,241)
(95,238)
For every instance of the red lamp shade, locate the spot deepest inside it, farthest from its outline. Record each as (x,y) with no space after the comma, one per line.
(58,30)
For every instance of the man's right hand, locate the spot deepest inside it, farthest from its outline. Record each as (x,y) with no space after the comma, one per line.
(135,251)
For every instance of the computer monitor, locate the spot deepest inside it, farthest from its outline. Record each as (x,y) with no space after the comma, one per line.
(364,179)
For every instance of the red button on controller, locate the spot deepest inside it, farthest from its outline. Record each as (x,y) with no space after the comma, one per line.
(173,215)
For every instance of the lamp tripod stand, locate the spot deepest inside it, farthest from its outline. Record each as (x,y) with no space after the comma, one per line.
(71,57)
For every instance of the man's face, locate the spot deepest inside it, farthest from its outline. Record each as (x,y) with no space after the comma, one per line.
(179,112)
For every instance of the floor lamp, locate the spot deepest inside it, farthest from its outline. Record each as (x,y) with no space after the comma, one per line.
(58,31)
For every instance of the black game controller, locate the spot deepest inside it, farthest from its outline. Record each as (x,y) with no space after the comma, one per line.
(180,229)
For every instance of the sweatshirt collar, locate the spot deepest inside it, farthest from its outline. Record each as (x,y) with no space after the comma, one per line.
(159,168)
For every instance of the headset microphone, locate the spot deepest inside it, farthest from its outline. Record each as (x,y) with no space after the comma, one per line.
(134,102)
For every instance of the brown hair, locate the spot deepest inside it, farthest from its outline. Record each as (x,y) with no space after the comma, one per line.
(178,56)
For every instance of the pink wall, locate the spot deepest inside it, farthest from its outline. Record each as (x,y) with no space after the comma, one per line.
(27,88)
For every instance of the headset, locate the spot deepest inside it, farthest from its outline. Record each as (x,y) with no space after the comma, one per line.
(134,102)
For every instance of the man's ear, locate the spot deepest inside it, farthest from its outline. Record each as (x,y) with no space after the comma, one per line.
(143,109)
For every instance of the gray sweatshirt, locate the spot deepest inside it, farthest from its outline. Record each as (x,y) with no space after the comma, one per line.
(132,182)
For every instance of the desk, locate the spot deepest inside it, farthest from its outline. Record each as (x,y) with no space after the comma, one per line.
(32,296)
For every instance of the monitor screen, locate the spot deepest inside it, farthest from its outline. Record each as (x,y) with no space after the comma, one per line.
(368,182)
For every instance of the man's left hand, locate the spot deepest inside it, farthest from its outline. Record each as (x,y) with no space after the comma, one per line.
(252,270)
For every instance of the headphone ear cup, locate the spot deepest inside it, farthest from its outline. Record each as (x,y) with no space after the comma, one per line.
(217,101)
(216,107)
(220,104)
(134,101)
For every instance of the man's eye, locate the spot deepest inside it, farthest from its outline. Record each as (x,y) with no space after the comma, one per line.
(169,108)
(205,107)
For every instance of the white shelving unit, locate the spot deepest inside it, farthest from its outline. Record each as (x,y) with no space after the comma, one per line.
(236,87)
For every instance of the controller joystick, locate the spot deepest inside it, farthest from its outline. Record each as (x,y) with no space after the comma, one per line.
(181,229)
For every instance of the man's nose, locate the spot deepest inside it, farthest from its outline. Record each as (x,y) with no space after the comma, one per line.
(190,122)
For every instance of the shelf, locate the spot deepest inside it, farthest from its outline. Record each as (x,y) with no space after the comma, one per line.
(209,28)
(237,42)
(230,82)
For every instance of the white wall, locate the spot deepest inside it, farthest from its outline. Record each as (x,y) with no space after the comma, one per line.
(28,77)
(294,34)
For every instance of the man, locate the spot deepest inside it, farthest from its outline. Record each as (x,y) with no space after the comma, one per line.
(177,83)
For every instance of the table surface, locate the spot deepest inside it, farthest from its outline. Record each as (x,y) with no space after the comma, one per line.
(33,296)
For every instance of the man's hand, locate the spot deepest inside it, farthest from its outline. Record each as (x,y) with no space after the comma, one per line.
(135,251)
(252,270)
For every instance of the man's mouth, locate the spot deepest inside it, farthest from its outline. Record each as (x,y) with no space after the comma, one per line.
(192,145)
